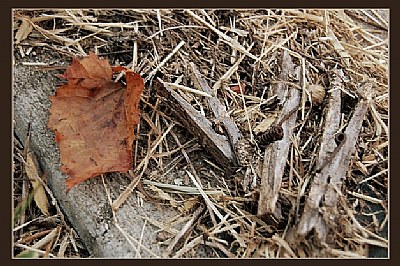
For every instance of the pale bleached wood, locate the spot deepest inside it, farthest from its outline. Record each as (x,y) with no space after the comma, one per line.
(276,153)
(320,207)
(197,124)
(332,123)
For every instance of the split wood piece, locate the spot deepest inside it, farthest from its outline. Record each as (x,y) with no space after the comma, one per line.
(326,187)
(219,110)
(332,123)
(276,153)
(197,124)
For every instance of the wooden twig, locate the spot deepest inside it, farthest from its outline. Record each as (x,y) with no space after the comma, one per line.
(334,162)
(310,216)
(276,154)
(218,109)
(339,167)
(196,123)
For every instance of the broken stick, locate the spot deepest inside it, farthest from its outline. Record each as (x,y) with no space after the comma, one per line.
(276,153)
(333,164)
(197,124)
(218,109)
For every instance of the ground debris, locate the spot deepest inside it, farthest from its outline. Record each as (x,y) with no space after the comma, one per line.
(319,75)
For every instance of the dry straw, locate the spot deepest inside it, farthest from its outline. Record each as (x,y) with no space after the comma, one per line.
(338,82)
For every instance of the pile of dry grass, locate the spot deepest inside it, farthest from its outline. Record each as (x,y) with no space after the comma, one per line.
(39,229)
(333,50)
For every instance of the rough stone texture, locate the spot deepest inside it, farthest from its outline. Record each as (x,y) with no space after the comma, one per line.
(86,205)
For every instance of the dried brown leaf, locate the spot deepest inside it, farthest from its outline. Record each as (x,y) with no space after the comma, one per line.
(93,119)
(39,195)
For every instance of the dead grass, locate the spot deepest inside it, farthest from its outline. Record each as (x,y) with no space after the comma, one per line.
(39,231)
(229,47)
